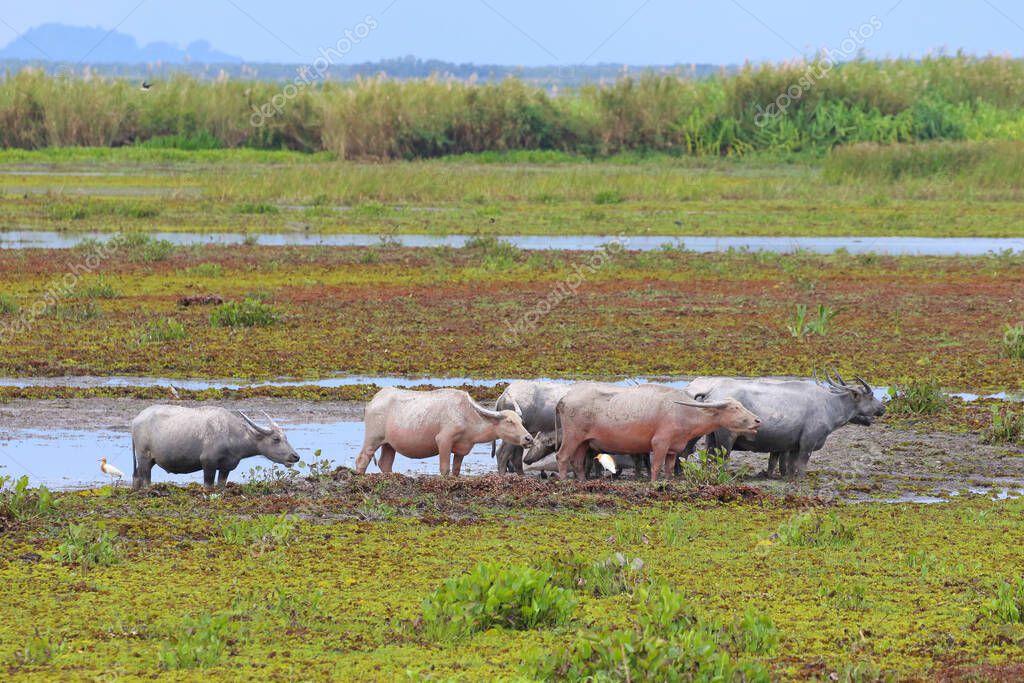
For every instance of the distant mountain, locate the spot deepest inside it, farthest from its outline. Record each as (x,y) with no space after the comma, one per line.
(74,44)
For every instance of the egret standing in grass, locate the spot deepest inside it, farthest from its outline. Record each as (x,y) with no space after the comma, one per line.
(110,471)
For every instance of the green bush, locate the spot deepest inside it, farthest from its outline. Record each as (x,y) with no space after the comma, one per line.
(810,529)
(163,330)
(88,547)
(200,642)
(916,397)
(708,469)
(143,248)
(247,313)
(1013,341)
(489,596)
(18,501)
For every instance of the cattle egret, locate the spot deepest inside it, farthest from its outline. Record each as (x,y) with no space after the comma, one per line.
(174,392)
(110,470)
(607,462)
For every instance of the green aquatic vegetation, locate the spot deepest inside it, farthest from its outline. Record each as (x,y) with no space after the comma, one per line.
(602,578)
(848,595)
(1007,606)
(99,288)
(208,269)
(371,510)
(709,469)
(142,248)
(198,642)
(262,532)
(757,633)
(609,197)
(247,313)
(88,546)
(515,597)
(79,313)
(674,526)
(812,529)
(803,325)
(40,649)
(19,501)
(257,208)
(8,306)
(668,642)
(1013,341)
(630,529)
(163,330)
(916,397)
(1007,426)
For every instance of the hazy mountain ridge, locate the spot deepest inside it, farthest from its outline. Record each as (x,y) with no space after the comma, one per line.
(94,45)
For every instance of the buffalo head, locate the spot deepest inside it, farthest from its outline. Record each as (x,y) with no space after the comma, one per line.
(867,406)
(731,415)
(272,442)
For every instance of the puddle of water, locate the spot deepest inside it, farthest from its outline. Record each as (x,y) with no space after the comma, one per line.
(995,493)
(89,381)
(924,246)
(66,458)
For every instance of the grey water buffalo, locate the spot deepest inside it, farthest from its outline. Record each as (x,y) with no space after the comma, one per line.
(535,401)
(649,418)
(184,440)
(797,416)
(422,424)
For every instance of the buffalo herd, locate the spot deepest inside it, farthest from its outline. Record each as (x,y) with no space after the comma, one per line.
(577,426)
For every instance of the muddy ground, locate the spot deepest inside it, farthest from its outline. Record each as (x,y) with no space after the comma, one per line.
(857,463)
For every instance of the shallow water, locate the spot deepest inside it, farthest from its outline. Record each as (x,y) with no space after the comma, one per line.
(897,246)
(68,458)
(90,381)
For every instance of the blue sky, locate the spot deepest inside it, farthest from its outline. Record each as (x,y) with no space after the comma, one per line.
(533,32)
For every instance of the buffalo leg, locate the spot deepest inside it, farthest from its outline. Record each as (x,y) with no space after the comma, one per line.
(799,463)
(143,474)
(659,455)
(222,477)
(387,458)
(638,465)
(773,464)
(370,446)
(444,454)
(457,463)
(517,460)
(209,472)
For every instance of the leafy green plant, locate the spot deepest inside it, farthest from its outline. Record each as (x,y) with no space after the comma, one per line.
(757,633)
(802,325)
(88,547)
(916,397)
(673,528)
(514,597)
(263,531)
(18,501)
(371,510)
(1013,341)
(207,269)
(140,247)
(1007,606)
(629,529)
(7,305)
(708,468)
(198,643)
(247,313)
(810,529)
(1007,426)
(163,330)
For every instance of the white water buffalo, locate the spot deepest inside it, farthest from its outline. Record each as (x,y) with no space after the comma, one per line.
(422,424)
(649,418)
(184,440)
(798,416)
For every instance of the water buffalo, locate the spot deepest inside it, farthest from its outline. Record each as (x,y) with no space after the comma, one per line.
(536,402)
(422,424)
(649,418)
(798,416)
(184,440)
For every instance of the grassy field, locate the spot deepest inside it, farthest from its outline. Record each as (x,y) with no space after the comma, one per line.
(489,310)
(339,577)
(954,189)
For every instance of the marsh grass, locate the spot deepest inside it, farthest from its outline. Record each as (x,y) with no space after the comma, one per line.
(208,269)
(198,642)
(1007,606)
(163,330)
(1007,426)
(250,312)
(1013,341)
(811,529)
(98,288)
(8,306)
(262,532)
(40,649)
(20,502)
(708,468)
(78,313)
(614,575)
(143,248)
(916,397)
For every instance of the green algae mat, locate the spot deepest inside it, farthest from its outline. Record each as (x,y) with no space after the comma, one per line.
(382,577)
